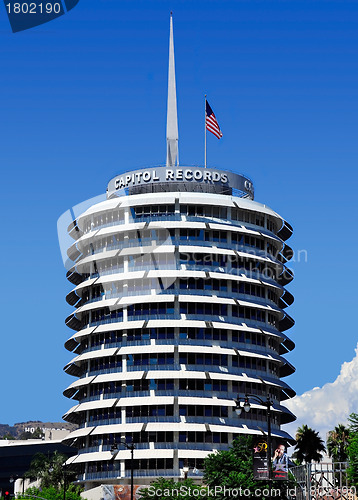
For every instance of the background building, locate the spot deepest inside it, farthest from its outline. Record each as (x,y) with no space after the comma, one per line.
(16,457)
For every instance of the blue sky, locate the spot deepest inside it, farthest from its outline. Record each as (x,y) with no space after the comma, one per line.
(84,97)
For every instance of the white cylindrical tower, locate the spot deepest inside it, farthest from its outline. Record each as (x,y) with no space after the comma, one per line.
(179,308)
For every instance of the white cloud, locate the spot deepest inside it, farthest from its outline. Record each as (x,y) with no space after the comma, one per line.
(322,408)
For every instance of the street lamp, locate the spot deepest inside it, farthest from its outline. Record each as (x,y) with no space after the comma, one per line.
(246,407)
(115,450)
(65,473)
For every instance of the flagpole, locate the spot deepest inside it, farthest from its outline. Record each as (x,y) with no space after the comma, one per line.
(205,133)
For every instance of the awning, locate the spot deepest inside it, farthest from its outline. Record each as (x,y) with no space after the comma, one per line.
(93,457)
(70,460)
(120,325)
(117,428)
(85,431)
(85,284)
(94,405)
(123,228)
(250,354)
(206,250)
(234,326)
(242,378)
(184,224)
(155,348)
(95,257)
(124,455)
(206,349)
(153,453)
(97,305)
(113,377)
(226,428)
(71,410)
(233,277)
(83,333)
(205,199)
(194,453)
(205,298)
(149,199)
(176,323)
(257,306)
(99,353)
(160,374)
(146,400)
(185,400)
(255,257)
(108,278)
(101,207)
(175,426)
(234,229)
(144,299)
(80,382)
(176,273)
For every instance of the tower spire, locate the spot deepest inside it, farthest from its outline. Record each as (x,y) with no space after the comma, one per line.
(172,117)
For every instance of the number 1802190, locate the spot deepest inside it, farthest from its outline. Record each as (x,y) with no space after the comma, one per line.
(33,8)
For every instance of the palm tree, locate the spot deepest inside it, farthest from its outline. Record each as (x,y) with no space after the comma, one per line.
(309,445)
(337,443)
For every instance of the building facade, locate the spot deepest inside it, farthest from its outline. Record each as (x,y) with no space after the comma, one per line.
(180,307)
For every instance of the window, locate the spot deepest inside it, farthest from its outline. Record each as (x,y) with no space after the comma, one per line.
(154,211)
(204,211)
(203,411)
(203,359)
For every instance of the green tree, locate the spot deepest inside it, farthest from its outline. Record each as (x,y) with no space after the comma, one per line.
(309,445)
(181,490)
(352,451)
(49,469)
(230,469)
(51,493)
(337,443)
(8,436)
(233,469)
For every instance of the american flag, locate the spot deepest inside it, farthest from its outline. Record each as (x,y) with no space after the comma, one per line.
(211,122)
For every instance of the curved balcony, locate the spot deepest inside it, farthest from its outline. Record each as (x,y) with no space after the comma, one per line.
(175,374)
(286,299)
(286,231)
(285,277)
(286,323)
(145,292)
(137,245)
(169,321)
(74,230)
(134,276)
(74,277)
(187,247)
